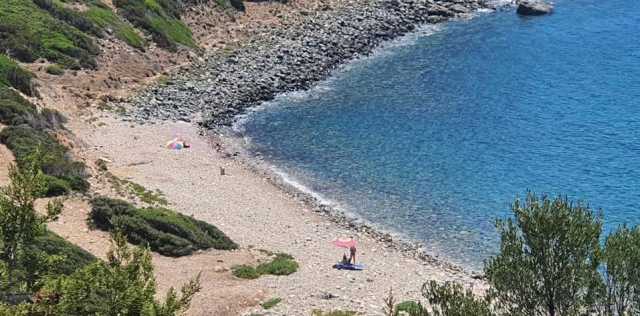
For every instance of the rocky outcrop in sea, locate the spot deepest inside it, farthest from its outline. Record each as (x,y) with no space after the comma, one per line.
(536,7)
(288,58)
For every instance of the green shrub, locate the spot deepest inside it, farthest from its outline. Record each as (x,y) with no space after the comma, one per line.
(56,187)
(71,17)
(124,285)
(621,272)
(14,109)
(165,231)
(450,299)
(55,70)
(271,303)
(548,260)
(74,256)
(161,18)
(104,17)
(12,75)
(104,209)
(30,32)
(29,252)
(550,263)
(282,264)
(146,196)
(23,141)
(409,307)
(238,5)
(245,272)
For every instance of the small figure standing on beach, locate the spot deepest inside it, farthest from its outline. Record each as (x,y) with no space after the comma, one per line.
(352,254)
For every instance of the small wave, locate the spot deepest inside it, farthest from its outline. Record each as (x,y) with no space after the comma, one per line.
(297,185)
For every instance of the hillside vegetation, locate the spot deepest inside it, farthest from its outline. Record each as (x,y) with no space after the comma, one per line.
(30,130)
(164,231)
(66,32)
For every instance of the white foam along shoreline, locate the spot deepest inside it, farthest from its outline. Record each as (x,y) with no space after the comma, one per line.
(236,140)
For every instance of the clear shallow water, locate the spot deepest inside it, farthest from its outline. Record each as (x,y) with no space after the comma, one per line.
(436,137)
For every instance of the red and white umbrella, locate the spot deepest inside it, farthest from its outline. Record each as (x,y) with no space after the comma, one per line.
(344,243)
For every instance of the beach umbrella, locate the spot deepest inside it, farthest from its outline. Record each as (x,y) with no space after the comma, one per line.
(344,243)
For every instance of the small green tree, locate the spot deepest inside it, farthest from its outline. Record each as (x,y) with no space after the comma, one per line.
(124,285)
(548,260)
(450,299)
(446,299)
(20,225)
(621,272)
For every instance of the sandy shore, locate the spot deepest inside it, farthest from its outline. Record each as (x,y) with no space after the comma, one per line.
(256,214)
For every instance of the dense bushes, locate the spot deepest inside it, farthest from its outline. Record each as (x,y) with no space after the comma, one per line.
(71,17)
(12,75)
(551,262)
(74,256)
(105,18)
(124,285)
(14,109)
(238,5)
(27,132)
(621,272)
(161,18)
(280,264)
(28,252)
(50,29)
(63,173)
(549,255)
(65,279)
(28,32)
(163,230)
(55,70)
(447,299)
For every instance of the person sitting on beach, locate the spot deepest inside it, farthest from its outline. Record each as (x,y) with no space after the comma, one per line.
(345,260)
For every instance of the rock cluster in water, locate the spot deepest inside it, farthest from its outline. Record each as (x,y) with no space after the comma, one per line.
(534,8)
(288,58)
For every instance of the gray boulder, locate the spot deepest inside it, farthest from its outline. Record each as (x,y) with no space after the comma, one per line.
(534,8)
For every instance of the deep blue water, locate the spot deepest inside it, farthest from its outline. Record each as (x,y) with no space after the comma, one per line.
(436,135)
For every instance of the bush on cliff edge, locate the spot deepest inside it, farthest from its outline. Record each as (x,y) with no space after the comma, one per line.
(164,231)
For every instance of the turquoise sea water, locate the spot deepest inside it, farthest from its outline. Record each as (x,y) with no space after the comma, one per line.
(436,134)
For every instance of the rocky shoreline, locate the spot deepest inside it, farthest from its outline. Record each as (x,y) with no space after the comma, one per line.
(288,58)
